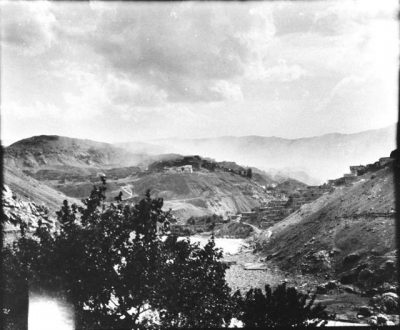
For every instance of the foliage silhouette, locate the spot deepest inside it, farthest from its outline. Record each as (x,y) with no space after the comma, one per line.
(281,307)
(116,264)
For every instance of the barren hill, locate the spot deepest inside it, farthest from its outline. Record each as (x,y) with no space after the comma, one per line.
(48,151)
(203,192)
(348,233)
(187,194)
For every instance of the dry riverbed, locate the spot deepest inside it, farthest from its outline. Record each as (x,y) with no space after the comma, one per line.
(248,271)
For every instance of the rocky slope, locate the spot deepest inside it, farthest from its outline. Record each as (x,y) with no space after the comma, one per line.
(18,213)
(348,234)
(33,190)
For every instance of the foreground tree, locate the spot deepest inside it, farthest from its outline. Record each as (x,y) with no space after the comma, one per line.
(116,264)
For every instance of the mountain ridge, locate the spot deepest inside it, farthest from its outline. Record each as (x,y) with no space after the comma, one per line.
(321,158)
(392,126)
(312,160)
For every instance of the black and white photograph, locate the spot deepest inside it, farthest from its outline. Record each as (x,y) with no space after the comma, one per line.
(199,164)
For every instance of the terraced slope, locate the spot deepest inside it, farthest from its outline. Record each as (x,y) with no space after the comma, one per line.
(201,193)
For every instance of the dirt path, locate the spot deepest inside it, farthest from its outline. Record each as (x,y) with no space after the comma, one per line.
(256,229)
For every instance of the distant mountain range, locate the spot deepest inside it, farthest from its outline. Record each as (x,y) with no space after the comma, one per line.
(311,160)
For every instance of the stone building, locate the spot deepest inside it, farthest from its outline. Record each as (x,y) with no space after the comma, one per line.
(358,170)
(179,169)
(385,160)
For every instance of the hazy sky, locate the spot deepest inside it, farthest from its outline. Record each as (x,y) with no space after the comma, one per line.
(138,71)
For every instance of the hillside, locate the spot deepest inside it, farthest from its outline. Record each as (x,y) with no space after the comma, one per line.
(29,189)
(52,151)
(347,234)
(290,185)
(311,160)
(187,194)
(49,168)
(203,192)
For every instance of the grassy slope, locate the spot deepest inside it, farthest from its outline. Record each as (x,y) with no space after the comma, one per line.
(342,222)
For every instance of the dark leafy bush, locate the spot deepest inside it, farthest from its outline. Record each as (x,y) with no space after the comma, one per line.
(282,307)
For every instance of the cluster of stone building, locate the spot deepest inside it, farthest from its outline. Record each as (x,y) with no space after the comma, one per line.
(190,164)
(306,195)
(281,206)
(355,171)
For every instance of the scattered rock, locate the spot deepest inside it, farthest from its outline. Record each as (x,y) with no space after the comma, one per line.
(334,251)
(331,285)
(375,252)
(389,265)
(390,304)
(349,289)
(351,259)
(370,293)
(365,275)
(348,278)
(321,289)
(373,320)
(359,268)
(382,319)
(365,311)
(321,260)
(387,287)
(391,294)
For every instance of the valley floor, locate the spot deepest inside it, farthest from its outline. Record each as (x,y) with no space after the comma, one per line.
(247,270)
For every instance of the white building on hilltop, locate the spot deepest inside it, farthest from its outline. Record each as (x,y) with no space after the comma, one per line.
(179,169)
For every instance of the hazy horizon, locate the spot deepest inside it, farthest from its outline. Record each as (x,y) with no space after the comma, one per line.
(6,144)
(120,71)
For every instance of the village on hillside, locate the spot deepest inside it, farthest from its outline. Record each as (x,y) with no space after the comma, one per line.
(282,202)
